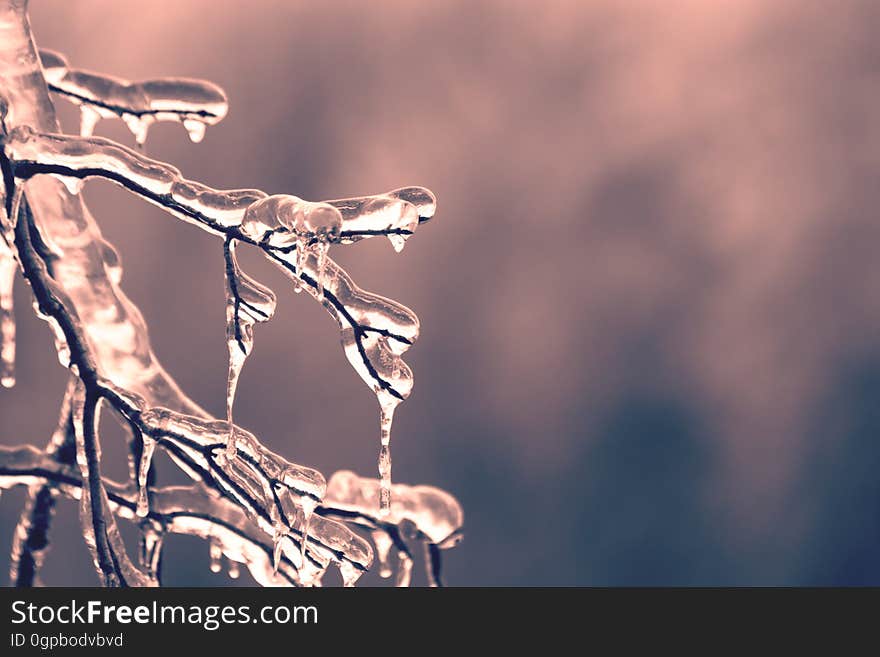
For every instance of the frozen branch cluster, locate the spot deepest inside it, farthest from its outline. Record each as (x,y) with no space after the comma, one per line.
(282,521)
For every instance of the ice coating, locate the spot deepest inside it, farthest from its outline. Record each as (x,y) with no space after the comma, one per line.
(320,257)
(194,103)
(435,513)
(247,302)
(291,215)
(383,544)
(395,214)
(281,221)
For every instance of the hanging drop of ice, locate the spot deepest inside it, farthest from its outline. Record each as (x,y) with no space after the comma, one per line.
(247,302)
(139,126)
(234,570)
(383,542)
(395,214)
(195,129)
(7,317)
(216,556)
(143,502)
(350,574)
(88,119)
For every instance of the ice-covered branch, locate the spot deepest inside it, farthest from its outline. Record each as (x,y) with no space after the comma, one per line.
(191,510)
(252,504)
(292,233)
(194,103)
(262,483)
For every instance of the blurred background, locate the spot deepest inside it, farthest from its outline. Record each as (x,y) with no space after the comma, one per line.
(650,301)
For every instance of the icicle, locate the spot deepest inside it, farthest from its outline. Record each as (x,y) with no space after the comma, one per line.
(397,241)
(139,126)
(404,569)
(386,417)
(280,532)
(350,573)
(383,543)
(234,570)
(195,129)
(143,502)
(216,556)
(88,119)
(7,317)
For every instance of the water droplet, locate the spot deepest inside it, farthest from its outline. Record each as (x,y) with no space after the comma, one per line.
(234,570)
